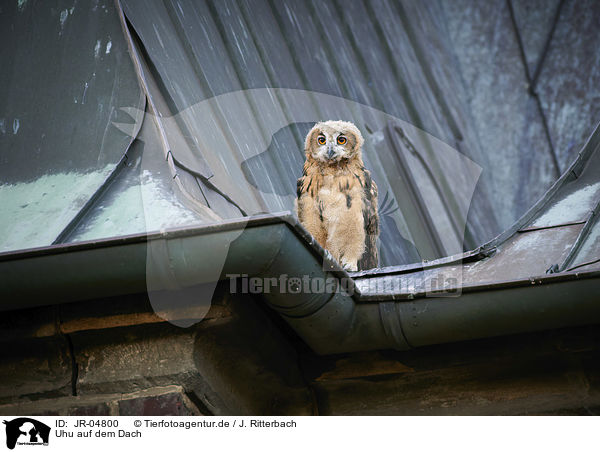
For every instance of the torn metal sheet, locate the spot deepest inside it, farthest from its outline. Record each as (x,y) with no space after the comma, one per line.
(141,199)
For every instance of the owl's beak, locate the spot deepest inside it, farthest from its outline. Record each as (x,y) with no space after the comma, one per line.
(330,152)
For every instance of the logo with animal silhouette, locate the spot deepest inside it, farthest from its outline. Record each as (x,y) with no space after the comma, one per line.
(26,431)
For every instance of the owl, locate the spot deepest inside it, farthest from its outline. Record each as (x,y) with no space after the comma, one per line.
(336,197)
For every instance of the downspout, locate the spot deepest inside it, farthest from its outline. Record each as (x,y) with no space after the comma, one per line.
(327,322)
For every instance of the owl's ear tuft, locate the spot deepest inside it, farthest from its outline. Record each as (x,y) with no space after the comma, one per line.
(311,138)
(359,140)
(352,132)
(355,137)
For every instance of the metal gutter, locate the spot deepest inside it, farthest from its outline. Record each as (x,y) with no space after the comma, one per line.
(117,266)
(274,246)
(454,292)
(270,246)
(469,256)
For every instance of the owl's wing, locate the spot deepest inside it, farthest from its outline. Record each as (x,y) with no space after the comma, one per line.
(299,186)
(298,206)
(370,259)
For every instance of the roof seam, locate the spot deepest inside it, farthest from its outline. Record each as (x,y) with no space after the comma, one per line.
(583,234)
(75,221)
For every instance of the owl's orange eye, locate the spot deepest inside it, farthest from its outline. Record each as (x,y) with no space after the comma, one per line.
(341,140)
(321,140)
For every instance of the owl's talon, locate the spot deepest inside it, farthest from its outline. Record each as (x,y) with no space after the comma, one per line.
(350,267)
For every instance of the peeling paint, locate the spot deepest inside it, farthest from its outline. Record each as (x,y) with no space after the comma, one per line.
(97,49)
(2,126)
(63,18)
(85,88)
(21,5)
(108,47)
(16,125)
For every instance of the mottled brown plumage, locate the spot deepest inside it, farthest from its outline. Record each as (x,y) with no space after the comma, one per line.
(337,199)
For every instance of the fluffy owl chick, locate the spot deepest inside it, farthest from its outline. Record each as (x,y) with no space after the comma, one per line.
(337,200)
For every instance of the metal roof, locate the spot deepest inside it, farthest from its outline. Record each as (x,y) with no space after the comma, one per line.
(104,133)
(559,234)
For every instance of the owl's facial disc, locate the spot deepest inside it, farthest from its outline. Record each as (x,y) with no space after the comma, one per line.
(331,148)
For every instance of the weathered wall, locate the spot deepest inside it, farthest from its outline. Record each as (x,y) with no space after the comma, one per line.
(157,401)
(241,360)
(551,373)
(116,356)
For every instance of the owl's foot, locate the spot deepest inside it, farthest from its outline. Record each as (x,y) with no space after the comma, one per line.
(350,266)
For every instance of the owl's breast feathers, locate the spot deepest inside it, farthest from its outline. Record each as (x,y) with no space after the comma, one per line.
(344,179)
(351,180)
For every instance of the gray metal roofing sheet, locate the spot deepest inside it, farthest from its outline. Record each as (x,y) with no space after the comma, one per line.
(245,54)
(66,74)
(588,257)
(424,62)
